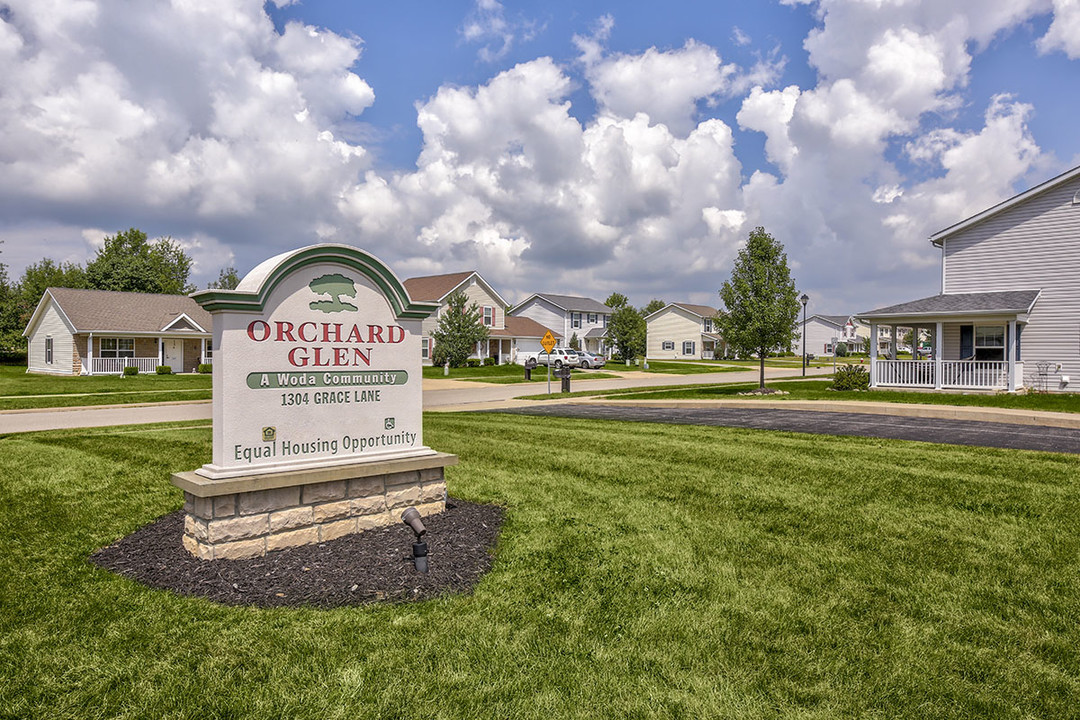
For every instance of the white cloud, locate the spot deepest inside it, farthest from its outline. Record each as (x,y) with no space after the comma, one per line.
(488,26)
(1064,31)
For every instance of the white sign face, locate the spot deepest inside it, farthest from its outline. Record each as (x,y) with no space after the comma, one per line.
(326,374)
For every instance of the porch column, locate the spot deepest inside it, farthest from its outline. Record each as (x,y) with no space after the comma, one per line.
(161,350)
(202,351)
(892,342)
(1010,352)
(873,354)
(89,369)
(939,332)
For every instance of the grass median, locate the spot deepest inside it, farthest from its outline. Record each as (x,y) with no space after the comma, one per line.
(643,571)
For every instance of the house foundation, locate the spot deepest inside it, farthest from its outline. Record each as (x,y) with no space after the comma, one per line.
(250,515)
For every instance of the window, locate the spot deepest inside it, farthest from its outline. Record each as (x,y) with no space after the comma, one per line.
(117,347)
(989,342)
(688,347)
(668,345)
(606,319)
(425,348)
(708,325)
(592,318)
(489,315)
(575,320)
(48,351)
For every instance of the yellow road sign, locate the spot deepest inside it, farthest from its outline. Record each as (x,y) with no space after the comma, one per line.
(548,342)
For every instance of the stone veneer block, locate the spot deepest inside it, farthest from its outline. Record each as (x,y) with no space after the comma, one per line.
(225,506)
(365,486)
(240,549)
(332,511)
(323,492)
(292,538)
(238,528)
(291,518)
(336,529)
(248,516)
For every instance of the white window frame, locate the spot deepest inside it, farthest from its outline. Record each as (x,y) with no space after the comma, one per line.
(606,316)
(667,345)
(575,320)
(48,351)
(707,324)
(691,344)
(425,348)
(988,348)
(489,316)
(592,318)
(111,348)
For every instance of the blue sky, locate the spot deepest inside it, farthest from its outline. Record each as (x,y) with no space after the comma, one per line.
(569,147)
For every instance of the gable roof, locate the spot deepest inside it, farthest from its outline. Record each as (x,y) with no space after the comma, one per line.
(435,288)
(939,237)
(1009,302)
(112,311)
(837,320)
(702,311)
(522,327)
(569,303)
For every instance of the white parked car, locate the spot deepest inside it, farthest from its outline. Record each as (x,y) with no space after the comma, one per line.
(559,357)
(590,360)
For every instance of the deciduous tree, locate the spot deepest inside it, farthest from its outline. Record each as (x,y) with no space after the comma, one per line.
(761,301)
(460,328)
(626,327)
(227,280)
(129,263)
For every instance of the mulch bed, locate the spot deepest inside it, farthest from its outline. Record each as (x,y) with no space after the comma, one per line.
(372,566)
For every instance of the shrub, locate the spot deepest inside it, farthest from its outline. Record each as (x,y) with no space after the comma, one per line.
(164,370)
(851,377)
(472,362)
(841,350)
(489,361)
(131,370)
(205,368)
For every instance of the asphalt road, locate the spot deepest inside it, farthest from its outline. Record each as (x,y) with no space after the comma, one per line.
(935,430)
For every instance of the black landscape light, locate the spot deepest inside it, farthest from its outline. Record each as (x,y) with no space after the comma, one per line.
(411,517)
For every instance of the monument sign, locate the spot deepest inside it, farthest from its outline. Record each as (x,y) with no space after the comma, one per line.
(317,407)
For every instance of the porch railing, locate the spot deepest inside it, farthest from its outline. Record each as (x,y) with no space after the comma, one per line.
(955,374)
(115,366)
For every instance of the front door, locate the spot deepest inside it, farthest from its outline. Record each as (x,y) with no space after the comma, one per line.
(174,355)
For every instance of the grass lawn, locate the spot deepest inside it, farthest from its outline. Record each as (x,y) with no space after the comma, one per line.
(818,390)
(678,572)
(19,389)
(505,374)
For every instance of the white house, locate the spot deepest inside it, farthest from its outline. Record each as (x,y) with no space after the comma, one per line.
(96,332)
(1008,314)
(506,335)
(822,329)
(585,317)
(681,331)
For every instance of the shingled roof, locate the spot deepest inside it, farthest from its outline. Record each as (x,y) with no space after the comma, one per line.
(111,311)
(573,303)
(1007,303)
(433,288)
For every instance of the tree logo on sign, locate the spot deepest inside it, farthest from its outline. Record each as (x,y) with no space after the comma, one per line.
(335,286)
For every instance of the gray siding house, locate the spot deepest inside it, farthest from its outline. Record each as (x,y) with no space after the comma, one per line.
(1008,314)
(568,315)
(821,329)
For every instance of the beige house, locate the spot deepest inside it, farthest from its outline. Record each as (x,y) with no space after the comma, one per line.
(100,332)
(681,331)
(506,335)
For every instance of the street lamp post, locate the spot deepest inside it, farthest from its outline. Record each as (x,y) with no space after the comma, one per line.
(804,299)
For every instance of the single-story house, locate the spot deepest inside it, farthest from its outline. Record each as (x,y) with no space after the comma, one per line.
(821,330)
(506,335)
(100,332)
(1008,314)
(584,317)
(681,331)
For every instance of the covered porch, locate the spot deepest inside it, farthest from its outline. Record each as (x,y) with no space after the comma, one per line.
(975,341)
(109,354)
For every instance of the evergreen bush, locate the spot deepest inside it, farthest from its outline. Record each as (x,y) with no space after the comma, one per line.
(131,370)
(851,377)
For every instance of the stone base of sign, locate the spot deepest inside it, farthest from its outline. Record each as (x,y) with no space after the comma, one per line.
(251,515)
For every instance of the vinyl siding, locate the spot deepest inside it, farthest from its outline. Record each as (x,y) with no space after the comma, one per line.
(474,292)
(1035,245)
(51,325)
(547,315)
(673,325)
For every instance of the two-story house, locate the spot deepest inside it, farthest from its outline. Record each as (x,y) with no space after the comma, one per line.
(1008,314)
(681,331)
(584,317)
(506,335)
(823,330)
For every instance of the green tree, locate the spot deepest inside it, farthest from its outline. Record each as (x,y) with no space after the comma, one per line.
(575,343)
(626,327)
(129,263)
(652,307)
(227,280)
(460,328)
(761,301)
(616,300)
